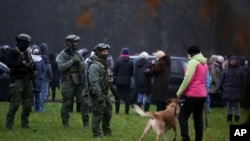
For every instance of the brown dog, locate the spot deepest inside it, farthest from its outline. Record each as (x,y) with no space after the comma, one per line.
(161,121)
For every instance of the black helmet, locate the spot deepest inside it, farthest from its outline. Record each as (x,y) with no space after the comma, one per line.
(101,46)
(23,37)
(72,38)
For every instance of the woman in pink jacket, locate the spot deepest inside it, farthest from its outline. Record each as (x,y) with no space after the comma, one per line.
(192,93)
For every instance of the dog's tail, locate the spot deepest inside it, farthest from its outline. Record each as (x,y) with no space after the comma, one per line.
(139,111)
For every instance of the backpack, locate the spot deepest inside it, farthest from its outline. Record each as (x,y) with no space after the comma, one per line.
(86,73)
(88,63)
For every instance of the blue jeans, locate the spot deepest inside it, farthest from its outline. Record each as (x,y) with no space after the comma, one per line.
(141,96)
(37,102)
(207,103)
(43,95)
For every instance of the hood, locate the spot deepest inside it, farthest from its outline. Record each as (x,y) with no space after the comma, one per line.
(36,57)
(35,48)
(44,48)
(199,57)
(213,60)
(233,65)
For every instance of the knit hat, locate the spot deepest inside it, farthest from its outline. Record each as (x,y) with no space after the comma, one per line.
(124,51)
(193,50)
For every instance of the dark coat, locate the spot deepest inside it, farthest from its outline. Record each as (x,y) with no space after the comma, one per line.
(161,77)
(45,56)
(143,82)
(56,75)
(123,71)
(232,81)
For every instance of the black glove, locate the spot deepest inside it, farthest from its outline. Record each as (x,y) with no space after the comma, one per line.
(76,59)
(100,99)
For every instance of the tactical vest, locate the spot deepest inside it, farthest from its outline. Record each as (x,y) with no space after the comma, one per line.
(76,72)
(23,72)
(106,79)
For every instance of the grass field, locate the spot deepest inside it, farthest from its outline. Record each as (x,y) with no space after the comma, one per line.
(47,126)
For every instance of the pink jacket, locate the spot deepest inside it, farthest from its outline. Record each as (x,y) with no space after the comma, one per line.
(194,82)
(197,85)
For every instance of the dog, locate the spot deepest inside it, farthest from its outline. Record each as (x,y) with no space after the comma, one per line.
(161,121)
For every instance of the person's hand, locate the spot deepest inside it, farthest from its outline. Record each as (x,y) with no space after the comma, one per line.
(34,75)
(100,99)
(153,61)
(27,65)
(75,59)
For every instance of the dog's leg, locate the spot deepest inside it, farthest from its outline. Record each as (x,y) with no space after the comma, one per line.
(147,128)
(175,135)
(159,134)
(166,135)
(159,129)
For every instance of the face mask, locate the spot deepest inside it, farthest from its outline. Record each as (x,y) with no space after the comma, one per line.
(22,46)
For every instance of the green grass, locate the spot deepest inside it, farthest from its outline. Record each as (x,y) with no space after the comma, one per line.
(47,126)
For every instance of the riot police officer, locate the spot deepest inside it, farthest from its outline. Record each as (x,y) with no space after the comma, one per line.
(23,70)
(100,79)
(71,64)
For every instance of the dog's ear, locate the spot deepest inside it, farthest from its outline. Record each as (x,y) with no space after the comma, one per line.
(171,100)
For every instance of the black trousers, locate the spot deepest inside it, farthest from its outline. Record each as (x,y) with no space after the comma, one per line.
(191,105)
(123,94)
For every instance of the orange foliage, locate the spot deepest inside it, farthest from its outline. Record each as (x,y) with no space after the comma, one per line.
(208,8)
(242,39)
(140,16)
(152,4)
(84,19)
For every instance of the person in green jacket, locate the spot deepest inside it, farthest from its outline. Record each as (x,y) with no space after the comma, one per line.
(101,81)
(71,65)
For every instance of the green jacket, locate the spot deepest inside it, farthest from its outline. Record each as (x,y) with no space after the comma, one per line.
(99,78)
(65,65)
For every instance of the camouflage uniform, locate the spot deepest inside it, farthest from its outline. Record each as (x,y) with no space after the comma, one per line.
(23,70)
(71,85)
(101,80)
